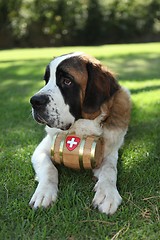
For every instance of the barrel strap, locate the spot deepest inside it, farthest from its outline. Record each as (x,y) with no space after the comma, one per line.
(61,147)
(53,145)
(92,154)
(81,152)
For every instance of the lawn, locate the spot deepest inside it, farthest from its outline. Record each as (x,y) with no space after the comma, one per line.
(72,217)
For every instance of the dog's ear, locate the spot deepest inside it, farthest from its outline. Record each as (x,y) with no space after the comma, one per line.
(101,86)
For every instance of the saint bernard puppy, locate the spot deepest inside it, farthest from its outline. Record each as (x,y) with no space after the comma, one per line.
(81,95)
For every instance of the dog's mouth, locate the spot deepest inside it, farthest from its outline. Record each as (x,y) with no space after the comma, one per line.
(41,120)
(66,127)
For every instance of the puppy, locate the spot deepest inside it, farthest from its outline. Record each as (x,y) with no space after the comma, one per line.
(81,95)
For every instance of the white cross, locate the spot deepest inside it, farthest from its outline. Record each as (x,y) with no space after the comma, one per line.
(72,142)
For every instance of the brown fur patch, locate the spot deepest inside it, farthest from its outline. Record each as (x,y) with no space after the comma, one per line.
(76,67)
(119,108)
(90,116)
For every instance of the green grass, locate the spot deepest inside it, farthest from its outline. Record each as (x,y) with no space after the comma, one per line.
(72,217)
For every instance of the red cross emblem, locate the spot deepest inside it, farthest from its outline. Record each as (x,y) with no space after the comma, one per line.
(72,142)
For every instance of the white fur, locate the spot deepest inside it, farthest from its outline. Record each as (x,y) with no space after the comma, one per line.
(107,198)
(46,173)
(56,107)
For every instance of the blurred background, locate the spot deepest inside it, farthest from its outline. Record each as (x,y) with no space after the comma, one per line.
(49,23)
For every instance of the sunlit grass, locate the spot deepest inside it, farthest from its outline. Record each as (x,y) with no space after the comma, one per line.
(105,50)
(72,216)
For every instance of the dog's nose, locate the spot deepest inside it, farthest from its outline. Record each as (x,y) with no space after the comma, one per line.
(39,101)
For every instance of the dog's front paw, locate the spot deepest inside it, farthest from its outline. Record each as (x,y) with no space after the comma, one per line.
(107,198)
(44,195)
(86,127)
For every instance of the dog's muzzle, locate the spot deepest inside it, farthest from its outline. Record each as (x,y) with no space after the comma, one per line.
(39,104)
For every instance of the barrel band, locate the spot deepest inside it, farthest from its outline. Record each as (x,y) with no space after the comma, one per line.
(93,149)
(53,145)
(61,148)
(81,152)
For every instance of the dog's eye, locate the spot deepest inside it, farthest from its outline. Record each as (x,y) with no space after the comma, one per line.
(67,82)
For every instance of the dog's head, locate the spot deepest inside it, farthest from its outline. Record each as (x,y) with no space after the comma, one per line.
(76,87)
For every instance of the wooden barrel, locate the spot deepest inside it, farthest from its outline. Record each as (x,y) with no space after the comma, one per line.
(77,151)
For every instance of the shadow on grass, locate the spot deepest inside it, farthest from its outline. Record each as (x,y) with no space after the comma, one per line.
(23,70)
(145,89)
(19,81)
(137,67)
(139,157)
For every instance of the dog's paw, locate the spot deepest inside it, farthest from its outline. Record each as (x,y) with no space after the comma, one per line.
(86,127)
(106,199)
(44,195)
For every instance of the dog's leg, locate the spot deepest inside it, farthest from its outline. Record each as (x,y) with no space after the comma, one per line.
(107,197)
(47,175)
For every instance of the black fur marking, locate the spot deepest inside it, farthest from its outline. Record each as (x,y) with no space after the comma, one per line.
(71,92)
(100,87)
(93,98)
(47,74)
